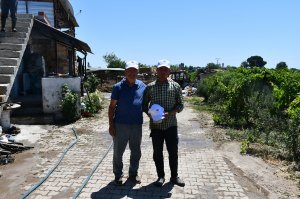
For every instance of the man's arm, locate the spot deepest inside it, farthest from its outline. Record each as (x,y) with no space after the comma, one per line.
(111,115)
(146,99)
(178,103)
(179,100)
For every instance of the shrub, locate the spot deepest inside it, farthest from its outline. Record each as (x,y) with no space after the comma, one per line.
(262,100)
(91,83)
(69,104)
(244,147)
(92,102)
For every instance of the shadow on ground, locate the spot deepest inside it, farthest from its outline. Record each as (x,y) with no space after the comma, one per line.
(127,189)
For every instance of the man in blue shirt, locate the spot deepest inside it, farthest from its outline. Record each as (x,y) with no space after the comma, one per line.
(125,122)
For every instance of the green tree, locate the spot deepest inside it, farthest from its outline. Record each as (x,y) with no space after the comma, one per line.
(113,61)
(91,83)
(256,61)
(245,64)
(143,66)
(175,68)
(281,65)
(181,65)
(211,66)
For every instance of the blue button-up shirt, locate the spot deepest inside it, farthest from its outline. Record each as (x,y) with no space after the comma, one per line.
(129,105)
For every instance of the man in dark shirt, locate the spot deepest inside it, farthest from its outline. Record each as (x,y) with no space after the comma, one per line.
(166,93)
(9,6)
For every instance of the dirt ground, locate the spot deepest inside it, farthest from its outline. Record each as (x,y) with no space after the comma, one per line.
(255,175)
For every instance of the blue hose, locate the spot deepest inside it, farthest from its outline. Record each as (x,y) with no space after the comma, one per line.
(93,171)
(49,173)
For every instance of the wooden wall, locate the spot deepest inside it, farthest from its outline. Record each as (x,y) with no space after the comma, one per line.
(57,64)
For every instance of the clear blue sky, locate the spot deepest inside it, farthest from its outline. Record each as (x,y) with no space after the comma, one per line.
(195,32)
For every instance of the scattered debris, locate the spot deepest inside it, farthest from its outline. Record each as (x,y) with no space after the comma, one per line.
(12,130)
(9,146)
(5,159)
(14,147)
(189,91)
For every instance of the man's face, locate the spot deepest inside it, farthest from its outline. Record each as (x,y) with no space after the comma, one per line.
(131,74)
(163,73)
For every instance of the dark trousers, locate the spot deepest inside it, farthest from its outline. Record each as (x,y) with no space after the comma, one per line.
(9,6)
(169,135)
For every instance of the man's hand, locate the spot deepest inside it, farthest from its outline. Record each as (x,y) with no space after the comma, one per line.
(111,115)
(168,114)
(112,130)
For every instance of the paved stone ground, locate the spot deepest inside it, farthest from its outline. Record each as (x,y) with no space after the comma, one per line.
(204,171)
(206,174)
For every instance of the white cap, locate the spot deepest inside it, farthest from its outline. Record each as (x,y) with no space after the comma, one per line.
(163,62)
(156,112)
(132,64)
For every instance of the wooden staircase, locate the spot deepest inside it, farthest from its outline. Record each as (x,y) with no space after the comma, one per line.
(12,47)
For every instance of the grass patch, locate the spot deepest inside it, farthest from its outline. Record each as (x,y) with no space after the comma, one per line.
(198,104)
(237,135)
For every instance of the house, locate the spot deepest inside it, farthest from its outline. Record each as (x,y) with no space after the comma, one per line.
(42,56)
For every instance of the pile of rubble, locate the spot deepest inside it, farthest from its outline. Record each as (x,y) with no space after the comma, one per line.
(9,146)
(189,91)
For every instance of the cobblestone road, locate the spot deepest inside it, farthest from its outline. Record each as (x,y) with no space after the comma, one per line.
(206,174)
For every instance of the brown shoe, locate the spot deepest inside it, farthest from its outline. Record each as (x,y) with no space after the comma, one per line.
(135,179)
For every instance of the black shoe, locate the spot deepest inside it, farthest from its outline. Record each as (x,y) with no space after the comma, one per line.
(118,181)
(135,179)
(177,181)
(14,30)
(159,182)
(2,29)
